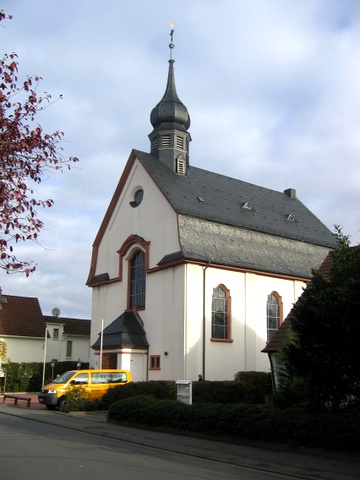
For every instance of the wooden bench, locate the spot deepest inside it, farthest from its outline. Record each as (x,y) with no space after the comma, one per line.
(16,398)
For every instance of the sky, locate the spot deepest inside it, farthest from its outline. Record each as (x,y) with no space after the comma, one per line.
(272,88)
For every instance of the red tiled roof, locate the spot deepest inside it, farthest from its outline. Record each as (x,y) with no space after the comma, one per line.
(22,316)
(280,337)
(73,326)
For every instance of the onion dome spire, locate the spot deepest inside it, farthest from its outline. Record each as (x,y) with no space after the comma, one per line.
(170,120)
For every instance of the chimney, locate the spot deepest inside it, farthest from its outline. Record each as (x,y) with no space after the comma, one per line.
(290,192)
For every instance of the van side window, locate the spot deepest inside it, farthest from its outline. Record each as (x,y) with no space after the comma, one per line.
(118,377)
(110,377)
(80,379)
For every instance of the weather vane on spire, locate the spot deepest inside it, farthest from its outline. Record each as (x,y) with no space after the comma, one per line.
(171,46)
(172,32)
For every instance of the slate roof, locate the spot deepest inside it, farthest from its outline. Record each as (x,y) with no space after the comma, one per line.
(125,331)
(22,316)
(225,196)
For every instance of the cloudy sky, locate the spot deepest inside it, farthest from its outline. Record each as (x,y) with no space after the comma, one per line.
(272,87)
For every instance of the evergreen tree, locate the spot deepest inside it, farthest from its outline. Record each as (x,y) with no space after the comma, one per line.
(324,352)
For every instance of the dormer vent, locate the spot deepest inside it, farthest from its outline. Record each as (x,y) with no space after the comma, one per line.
(247,206)
(201,200)
(291,218)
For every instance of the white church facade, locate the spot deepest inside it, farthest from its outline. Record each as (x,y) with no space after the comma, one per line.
(192,271)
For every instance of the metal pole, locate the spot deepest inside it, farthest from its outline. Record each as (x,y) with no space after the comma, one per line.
(101,342)
(45,345)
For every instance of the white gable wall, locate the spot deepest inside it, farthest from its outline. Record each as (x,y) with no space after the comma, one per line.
(156,222)
(153,219)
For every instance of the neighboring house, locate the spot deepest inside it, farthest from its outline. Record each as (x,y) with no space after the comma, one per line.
(192,271)
(27,332)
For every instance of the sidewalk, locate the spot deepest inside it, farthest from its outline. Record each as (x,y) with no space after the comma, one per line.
(301,463)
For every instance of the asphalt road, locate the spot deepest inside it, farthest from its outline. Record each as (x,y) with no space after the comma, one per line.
(42,444)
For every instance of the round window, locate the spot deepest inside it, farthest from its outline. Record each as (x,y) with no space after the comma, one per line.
(139,195)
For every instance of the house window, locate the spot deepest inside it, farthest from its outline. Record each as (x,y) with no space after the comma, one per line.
(69,349)
(154,362)
(55,334)
(220,314)
(273,313)
(137,280)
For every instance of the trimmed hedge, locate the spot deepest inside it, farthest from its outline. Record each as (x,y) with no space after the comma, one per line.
(162,390)
(248,387)
(255,422)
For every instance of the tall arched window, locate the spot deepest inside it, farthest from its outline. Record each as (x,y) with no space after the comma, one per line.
(137,280)
(273,313)
(220,314)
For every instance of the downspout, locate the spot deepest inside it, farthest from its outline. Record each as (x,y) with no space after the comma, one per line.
(272,373)
(204,322)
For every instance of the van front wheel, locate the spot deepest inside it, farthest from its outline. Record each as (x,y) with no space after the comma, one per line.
(62,403)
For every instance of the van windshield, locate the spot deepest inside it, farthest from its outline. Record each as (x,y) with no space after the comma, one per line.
(65,377)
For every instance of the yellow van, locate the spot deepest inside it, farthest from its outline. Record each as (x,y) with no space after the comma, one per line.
(94,382)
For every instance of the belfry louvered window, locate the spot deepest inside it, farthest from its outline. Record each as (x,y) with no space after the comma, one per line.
(179,142)
(166,141)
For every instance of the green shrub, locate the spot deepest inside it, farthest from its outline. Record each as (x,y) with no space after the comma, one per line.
(76,400)
(255,422)
(27,377)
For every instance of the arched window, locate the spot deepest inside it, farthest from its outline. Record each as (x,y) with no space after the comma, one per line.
(273,313)
(137,280)
(220,314)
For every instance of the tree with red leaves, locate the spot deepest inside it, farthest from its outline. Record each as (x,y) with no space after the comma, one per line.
(26,153)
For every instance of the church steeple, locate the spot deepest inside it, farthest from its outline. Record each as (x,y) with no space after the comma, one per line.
(170,119)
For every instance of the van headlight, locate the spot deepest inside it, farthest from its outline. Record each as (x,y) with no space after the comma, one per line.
(52,391)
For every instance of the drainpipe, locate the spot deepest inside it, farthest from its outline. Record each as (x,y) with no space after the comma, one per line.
(204,321)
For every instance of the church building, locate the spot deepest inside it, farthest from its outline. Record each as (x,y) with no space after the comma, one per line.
(192,271)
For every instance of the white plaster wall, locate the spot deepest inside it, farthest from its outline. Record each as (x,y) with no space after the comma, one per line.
(249,294)
(27,349)
(164,321)
(24,349)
